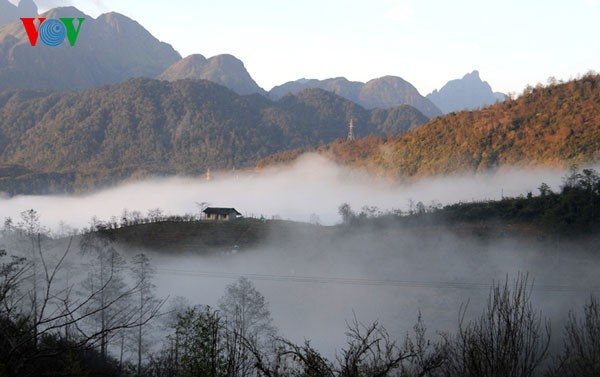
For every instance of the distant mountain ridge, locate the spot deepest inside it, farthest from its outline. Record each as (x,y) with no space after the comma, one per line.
(57,142)
(223,69)
(10,13)
(468,93)
(557,125)
(109,49)
(383,92)
(114,48)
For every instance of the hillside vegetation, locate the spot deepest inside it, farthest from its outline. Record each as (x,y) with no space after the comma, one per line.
(56,142)
(555,125)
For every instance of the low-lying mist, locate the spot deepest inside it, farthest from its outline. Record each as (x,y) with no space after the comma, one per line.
(316,284)
(316,281)
(312,186)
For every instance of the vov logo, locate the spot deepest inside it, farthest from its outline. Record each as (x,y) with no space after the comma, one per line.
(51,31)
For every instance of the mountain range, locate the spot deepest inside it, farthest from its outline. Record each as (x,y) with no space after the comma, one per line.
(61,142)
(73,118)
(109,49)
(114,48)
(384,92)
(226,70)
(65,141)
(10,13)
(468,93)
(556,125)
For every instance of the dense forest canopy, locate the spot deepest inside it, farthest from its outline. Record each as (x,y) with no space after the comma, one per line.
(56,142)
(553,125)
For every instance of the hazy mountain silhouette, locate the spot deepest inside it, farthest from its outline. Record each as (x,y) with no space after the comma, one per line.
(114,48)
(109,49)
(10,13)
(338,85)
(383,92)
(224,70)
(467,93)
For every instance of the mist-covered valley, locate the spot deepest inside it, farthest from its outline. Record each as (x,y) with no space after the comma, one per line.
(311,186)
(318,270)
(163,213)
(314,285)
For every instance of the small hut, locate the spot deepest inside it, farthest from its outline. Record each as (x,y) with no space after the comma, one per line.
(221,214)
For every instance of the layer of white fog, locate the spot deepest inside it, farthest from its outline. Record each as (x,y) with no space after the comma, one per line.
(313,291)
(313,185)
(315,285)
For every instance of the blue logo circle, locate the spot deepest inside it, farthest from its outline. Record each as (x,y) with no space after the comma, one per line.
(52,32)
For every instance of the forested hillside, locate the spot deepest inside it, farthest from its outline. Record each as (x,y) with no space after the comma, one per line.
(554,125)
(55,142)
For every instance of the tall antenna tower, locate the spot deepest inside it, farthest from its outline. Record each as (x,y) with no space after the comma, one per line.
(350,131)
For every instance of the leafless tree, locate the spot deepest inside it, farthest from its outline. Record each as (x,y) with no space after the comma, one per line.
(428,358)
(12,272)
(289,359)
(247,319)
(509,339)
(41,313)
(369,352)
(581,353)
(147,303)
(106,271)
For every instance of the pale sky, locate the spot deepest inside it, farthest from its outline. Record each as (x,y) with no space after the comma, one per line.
(428,42)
